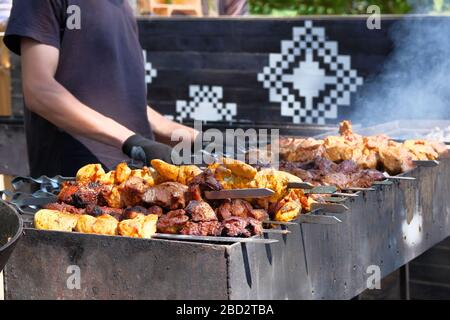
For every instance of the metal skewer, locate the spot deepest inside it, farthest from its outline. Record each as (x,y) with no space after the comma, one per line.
(213,239)
(276,231)
(426,163)
(281,223)
(359,189)
(400,178)
(318,219)
(329,207)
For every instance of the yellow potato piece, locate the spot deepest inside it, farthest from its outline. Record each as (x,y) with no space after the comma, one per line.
(167,171)
(123,172)
(86,224)
(140,227)
(180,174)
(55,220)
(106,225)
(90,173)
(239,168)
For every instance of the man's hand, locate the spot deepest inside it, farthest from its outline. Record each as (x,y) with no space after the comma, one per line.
(145,150)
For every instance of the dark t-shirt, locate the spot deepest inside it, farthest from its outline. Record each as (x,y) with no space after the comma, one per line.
(101,64)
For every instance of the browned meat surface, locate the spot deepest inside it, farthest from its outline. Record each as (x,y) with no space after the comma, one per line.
(134,212)
(241,227)
(63,207)
(209,228)
(133,191)
(158,211)
(203,182)
(97,211)
(169,195)
(200,211)
(81,195)
(172,222)
(322,171)
(240,208)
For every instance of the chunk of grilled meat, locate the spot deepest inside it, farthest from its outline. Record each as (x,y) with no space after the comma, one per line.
(322,171)
(133,191)
(97,211)
(240,208)
(169,195)
(241,227)
(200,211)
(81,195)
(203,182)
(134,212)
(172,222)
(63,207)
(207,228)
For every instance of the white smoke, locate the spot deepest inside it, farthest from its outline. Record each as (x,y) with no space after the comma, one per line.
(414,82)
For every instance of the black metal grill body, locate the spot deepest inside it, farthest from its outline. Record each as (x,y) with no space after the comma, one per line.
(313,262)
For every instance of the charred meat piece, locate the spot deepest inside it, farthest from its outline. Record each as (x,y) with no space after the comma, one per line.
(241,227)
(208,228)
(134,212)
(203,182)
(158,211)
(133,191)
(240,208)
(172,222)
(169,195)
(97,211)
(81,195)
(200,211)
(63,207)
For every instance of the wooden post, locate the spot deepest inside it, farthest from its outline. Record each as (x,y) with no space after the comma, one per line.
(5,79)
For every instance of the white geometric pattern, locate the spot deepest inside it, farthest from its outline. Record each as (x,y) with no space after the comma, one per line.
(150,73)
(205,105)
(309,78)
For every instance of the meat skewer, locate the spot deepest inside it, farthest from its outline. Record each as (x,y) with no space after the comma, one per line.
(213,239)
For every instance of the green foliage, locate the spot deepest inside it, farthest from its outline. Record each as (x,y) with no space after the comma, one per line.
(339,7)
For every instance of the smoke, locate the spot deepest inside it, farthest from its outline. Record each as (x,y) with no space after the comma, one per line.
(414,82)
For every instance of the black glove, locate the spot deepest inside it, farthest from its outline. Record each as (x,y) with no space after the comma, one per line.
(145,150)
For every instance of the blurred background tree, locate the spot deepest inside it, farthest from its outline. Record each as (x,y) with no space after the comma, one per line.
(342,7)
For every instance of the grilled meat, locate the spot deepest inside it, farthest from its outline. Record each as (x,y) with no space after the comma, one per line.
(241,227)
(373,152)
(169,195)
(322,171)
(63,207)
(133,191)
(81,195)
(200,211)
(97,211)
(240,208)
(134,212)
(203,182)
(207,228)
(172,222)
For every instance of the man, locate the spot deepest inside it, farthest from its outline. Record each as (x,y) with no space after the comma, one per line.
(84,88)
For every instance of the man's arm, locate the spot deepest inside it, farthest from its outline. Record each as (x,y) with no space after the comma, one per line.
(163,128)
(49,99)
